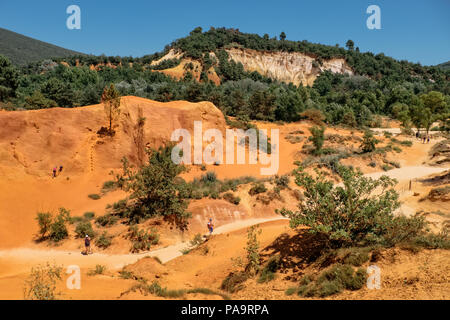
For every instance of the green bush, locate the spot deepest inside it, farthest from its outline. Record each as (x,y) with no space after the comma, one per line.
(210,177)
(198,239)
(268,272)
(104,240)
(58,229)
(317,137)
(369,142)
(44,220)
(94,196)
(282,181)
(109,186)
(99,269)
(257,188)
(234,282)
(353,214)
(89,215)
(106,220)
(332,280)
(142,240)
(84,228)
(231,198)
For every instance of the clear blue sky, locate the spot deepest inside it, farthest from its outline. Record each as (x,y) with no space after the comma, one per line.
(417,31)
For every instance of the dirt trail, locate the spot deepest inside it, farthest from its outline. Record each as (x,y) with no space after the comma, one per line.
(20,260)
(407,173)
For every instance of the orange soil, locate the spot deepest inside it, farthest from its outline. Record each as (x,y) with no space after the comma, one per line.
(33,142)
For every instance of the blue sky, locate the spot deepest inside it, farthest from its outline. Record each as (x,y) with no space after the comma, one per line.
(417,31)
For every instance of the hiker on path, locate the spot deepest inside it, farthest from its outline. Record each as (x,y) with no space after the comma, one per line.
(428,139)
(87,244)
(210,226)
(417,134)
(60,169)
(54,172)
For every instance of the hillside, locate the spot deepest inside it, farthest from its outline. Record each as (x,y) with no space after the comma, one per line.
(445,65)
(22,50)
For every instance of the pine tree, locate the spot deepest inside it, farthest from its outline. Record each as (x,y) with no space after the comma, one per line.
(111,103)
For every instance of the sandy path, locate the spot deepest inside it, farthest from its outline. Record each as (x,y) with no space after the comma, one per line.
(20,260)
(407,173)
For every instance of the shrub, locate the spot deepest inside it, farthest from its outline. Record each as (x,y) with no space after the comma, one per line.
(41,284)
(333,280)
(84,228)
(94,196)
(210,176)
(44,220)
(234,282)
(317,137)
(369,142)
(252,249)
(257,188)
(107,220)
(99,269)
(142,240)
(373,164)
(109,186)
(231,198)
(125,274)
(104,240)
(356,256)
(89,215)
(268,272)
(58,229)
(386,167)
(352,214)
(282,181)
(198,239)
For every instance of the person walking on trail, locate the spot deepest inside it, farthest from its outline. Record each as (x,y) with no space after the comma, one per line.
(60,169)
(428,139)
(54,172)
(210,226)
(87,244)
(417,134)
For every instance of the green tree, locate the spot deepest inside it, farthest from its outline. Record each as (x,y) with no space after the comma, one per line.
(369,142)
(44,220)
(154,191)
(282,36)
(317,138)
(9,79)
(111,103)
(38,101)
(350,45)
(356,212)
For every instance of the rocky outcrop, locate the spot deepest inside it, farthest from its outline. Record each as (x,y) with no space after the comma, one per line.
(294,67)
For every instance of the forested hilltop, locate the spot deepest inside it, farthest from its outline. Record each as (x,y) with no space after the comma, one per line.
(416,95)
